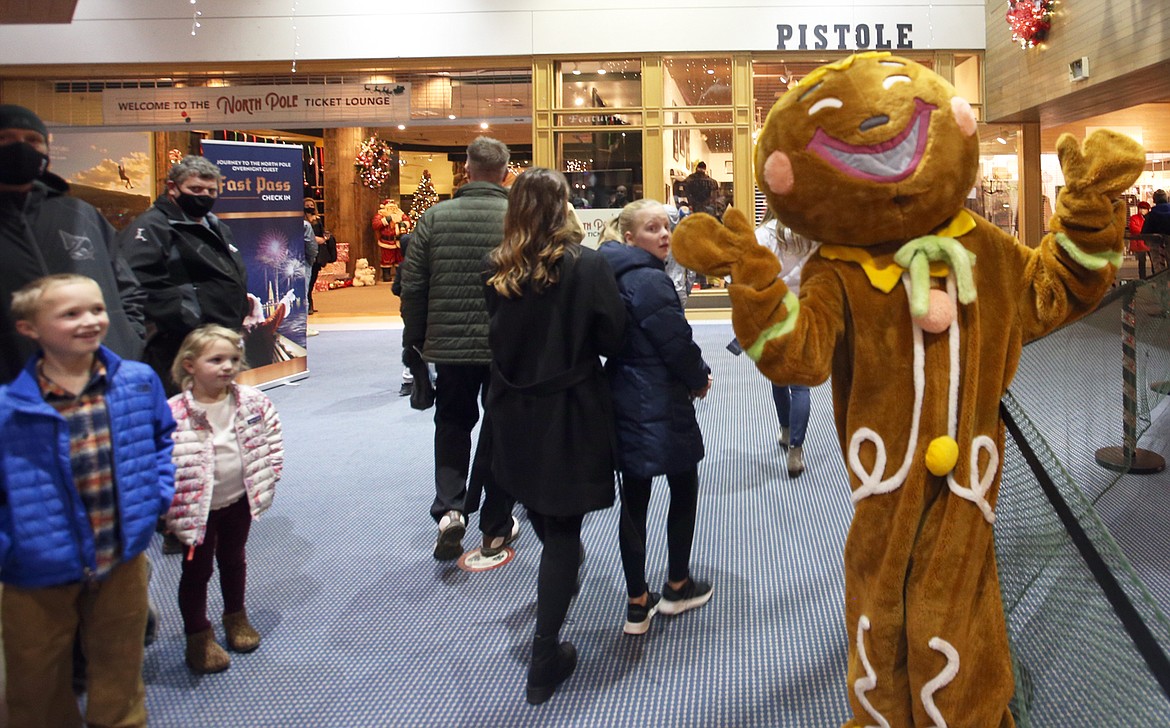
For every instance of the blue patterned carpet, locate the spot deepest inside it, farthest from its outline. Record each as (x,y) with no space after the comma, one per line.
(361,626)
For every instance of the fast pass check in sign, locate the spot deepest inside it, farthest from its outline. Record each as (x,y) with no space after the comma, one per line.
(243,106)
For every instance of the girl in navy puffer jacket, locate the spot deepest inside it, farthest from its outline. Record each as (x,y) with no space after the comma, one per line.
(654,380)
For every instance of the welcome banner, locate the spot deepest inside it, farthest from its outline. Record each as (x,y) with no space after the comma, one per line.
(249,106)
(262,201)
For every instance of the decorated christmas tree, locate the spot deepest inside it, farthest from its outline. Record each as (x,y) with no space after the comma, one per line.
(424,196)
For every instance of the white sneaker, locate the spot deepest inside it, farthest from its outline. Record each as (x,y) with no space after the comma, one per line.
(449,544)
(311,332)
(493,546)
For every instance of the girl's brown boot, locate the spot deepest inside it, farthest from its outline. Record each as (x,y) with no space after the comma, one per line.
(204,655)
(241,636)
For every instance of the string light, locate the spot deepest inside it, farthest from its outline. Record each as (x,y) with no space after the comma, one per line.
(930,22)
(195,15)
(296,35)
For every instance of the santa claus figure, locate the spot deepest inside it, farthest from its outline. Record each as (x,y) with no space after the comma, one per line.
(389,223)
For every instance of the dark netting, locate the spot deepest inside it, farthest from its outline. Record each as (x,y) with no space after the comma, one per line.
(1071,386)
(1152,316)
(1076,663)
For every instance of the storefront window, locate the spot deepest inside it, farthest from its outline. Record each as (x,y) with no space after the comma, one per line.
(997,187)
(696,133)
(683,149)
(602,162)
(600,84)
(604,168)
(696,81)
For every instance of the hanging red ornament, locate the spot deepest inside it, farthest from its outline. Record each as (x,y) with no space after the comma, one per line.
(1030,20)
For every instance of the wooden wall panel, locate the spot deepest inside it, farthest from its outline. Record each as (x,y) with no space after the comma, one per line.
(349,205)
(1127,43)
(37,11)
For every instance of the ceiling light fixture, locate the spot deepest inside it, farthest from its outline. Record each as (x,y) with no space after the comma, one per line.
(1001,140)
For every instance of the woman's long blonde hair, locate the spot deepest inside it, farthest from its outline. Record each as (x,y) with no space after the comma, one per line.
(537,234)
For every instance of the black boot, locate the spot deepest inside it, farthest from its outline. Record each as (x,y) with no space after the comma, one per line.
(551,664)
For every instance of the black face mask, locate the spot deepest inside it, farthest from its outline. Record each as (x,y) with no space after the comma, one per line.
(195,205)
(21,163)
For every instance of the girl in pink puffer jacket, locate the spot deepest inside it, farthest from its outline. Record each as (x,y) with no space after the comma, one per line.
(228,456)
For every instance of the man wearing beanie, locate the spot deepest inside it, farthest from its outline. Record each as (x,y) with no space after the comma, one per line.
(44,231)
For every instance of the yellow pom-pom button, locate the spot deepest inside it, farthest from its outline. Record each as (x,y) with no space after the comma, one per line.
(941,455)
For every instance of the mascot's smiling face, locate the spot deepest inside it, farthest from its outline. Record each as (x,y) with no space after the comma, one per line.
(871,149)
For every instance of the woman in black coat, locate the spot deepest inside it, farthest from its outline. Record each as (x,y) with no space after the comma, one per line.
(554,310)
(654,380)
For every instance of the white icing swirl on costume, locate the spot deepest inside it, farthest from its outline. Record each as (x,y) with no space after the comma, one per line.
(940,680)
(980,482)
(863,685)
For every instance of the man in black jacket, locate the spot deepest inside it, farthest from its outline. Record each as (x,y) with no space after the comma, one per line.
(702,191)
(186,260)
(445,321)
(44,231)
(1158,221)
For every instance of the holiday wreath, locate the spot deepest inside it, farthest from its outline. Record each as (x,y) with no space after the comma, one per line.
(373,162)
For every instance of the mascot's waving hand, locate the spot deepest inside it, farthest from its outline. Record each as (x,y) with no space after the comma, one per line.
(918,309)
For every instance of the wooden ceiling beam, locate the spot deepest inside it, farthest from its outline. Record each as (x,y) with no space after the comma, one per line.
(13,12)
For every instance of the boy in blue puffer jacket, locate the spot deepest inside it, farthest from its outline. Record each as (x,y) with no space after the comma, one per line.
(85,472)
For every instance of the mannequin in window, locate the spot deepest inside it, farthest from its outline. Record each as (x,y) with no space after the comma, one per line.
(386,225)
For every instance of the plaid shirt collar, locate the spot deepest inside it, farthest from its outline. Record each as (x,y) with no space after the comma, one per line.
(55,392)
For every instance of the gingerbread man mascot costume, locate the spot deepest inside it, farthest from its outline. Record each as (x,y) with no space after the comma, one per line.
(917,308)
